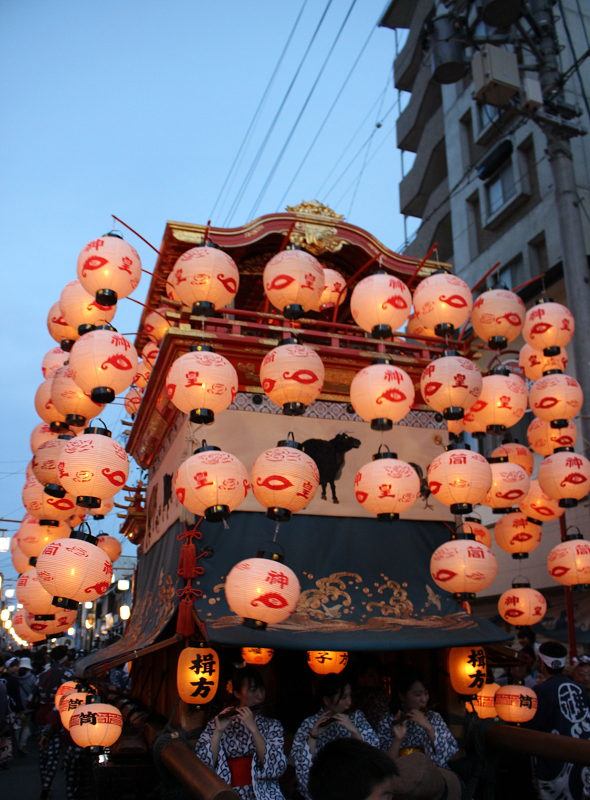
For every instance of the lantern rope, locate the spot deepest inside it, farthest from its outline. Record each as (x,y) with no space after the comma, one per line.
(139,236)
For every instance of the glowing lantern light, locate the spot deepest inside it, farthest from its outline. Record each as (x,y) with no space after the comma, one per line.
(380,304)
(63,690)
(484,702)
(98,725)
(205,279)
(294,282)
(105,507)
(19,560)
(326,662)
(463,567)
(569,562)
(539,506)
(481,533)
(156,325)
(543,439)
(103,363)
(109,268)
(142,376)
(548,326)
(556,398)
(133,400)
(110,545)
(80,309)
(70,703)
(32,596)
(533,363)
(21,628)
(522,605)
(262,591)
(467,669)
(382,394)
(516,703)
(202,383)
(150,353)
(32,536)
(459,478)
(516,454)
(211,483)
(59,330)
(443,303)
(417,328)
(472,424)
(171,292)
(41,433)
(565,476)
(386,486)
(44,464)
(197,675)
(71,401)
(510,483)
(498,317)
(43,506)
(257,655)
(45,407)
(292,376)
(284,479)
(517,534)
(334,283)
(52,360)
(502,402)
(51,624)
(451,384)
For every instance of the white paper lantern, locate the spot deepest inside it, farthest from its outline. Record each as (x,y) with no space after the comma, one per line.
(569,562)
(565,476)
(52,360)
(32,595)
(556,398)
(96,725)
(443,303)
(21,628)
(294,282)
(71,401)
(44,464)
(80,309)
(73,571)
(109,268)
(534,363)
(522,605)
(41,433)
(387,486)
(202,383)
(211,483)
(380,304)
(205,279)
(142,375)
(334,292)
(503,401)
(284,480)
(548,326)
(517,534)
(133,400)
(543,439)
(292,376)
(459,478)
(262,591)
(110,545)
(539,506)
(510,483)
(516,454)
(382,394)
(498,317)
(32,536)
(150,353)
(156,325)
(473,526)
(463,567)
(103,363)
(45,407)
(70,703)
(451,385)
(93,466)
(43,506)
(58,328)
(515,703)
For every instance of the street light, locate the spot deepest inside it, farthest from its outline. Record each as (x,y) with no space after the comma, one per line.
(124,612)
(4,614)
(9,593)
(123,584)
(88,604)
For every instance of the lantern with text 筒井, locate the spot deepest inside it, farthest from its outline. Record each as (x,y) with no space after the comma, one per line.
(382,394)
(109,268)
(417,328)
(33,536)
(565,476)
(459,478)
(69,704)
(451,385)
(539,506)
(521,605)
(55,624)
(257,655)
(502,402)
(569,562)
(142,375)
(380,304)
(517,534)
(481,533)
(386,486)
(52,360)
(556,398)
(44,464)
(443,302)
(516,703)
(534,363)
(96,724)
(110,545)
(150,353)
(548,326)
(50,510)
(292,376)
(510,483)
(133,400)
(59,330)
(484,702)
(498,317)
(156,325)
(80,309)
(197,675)
(205,279)
(326,662)
(71,400)
(103,363)
(516,454)
(32,596)
(284,479)
(21,628)
(263,591)
(211,483)
(334,292)
(45,407)
(202,383)
(66,688)
(467,669)
(544,439)
(463,567)
(294,282)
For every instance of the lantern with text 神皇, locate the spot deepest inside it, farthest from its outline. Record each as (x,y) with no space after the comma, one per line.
(516,454)
(211,483)
(33,536)
(451,385)
(31,594)
(481,533)
(52,360)
(284,479)
(133,400)
(21,628)
(443,303)
(515,703)
(556,398)
(95,725)
(103,363)
(484,701)
(80,309)
(197,675)
(539,506)
(544,439)
(59,330)
(326,662)
(334,292)
(510,483)
(201,384)
(205,279)
(386,486)
(257,655)
(380,304)
(467,669)
(150,353)
(45,407)
(417,328)
(502,402)
(110,545)
(294,282)
(44,464)
(66,688)
(565,476)
(463,567)
(55,624)
(521,605)
(156,325)
(43,506)
(548,326)
(74,570)
(569,562)
(498,317)
(534,363)
(69,704)
(71,401)
(292,376)
(517,534)
(459,478)
(262,591)
(382,394)
(109,268)
(142,375)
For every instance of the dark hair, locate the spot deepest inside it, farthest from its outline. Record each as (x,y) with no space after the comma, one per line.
(249,674)
(406,678)
(553,650)
(527,633)
(332,686)
(348,769)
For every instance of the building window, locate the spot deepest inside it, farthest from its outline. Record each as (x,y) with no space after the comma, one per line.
(500,189)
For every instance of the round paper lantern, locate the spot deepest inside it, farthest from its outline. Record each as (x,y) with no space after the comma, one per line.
(197,675)
(380,304)
(459,478)
(19,560)
(21,628)
(109,268)
(103,363)
(515,703)
(257,655)
(472,424)
(498,317)
(510,483)
(45,407)
(334,283)
(292,376)
(71,401)
(171,292)
(202,383)
(325,662)
(105,507)
(110,545)
(516,454)
(43,506)
(386,486)
(211,483)
(556,398)
(543,439)
(31,594)
(473,526)
(205,279)
(565,476)
(262,591)
(451,384)
(484,702)
(51,624)
(382,394)
(70,703)
(133,400)
(467,669)
(81,311)
(517,534)
(64,689)
(52,360)
(96,725)
(44,464)
(569,562)
(502,402)
(540,506)
(59,329)
(284,480)
(33,536)
(150,353)
(142,375)
(156,324)
(548,326)
(443,303)
(94,464)
(534,363)
(463,567)
(417,328)
(522,605)
(41,433)
(74,570)
(294,282)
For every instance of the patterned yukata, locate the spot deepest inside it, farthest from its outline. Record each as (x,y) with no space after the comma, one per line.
(301,754)
(445,745)
(236,742)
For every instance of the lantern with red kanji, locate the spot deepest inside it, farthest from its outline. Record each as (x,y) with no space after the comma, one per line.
(380,304)
(263,591)
(417,328)
(21,628)
(556,398)
(257,655)
(517,534)
(133,400)
(565,476)
(451,384)
(292,376)
(59,330)
(44,464)
(45,407)
(65,688)
(326,662)
(55,624)
(71,401)
(81,311)
(32,536)
(459,478)
(386,486)
(201,384)
(463,567)
(294,282)
(516,454)
(539,506)
(32,595)
(109,268)
(534,363)
(284,479)
(52,360)
(334,292)
(510,483)
(150,353)
(103,363)
(484,702)
(156,325)
(43,506)
(544,439)
(548,326)
(443,303)
(467,669)
(498,317)
(171,292)
(569,562)
(211,483)
(69,704)
(95,726)
(481,533)
(382,394)
(205,279)
(142,375)
(502,402)
(110,545)
(522,605)
(516,703)
(197,675)
(471,423)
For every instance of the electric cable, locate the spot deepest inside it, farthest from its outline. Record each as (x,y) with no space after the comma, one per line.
(575,57)
(583,24)
(352,183)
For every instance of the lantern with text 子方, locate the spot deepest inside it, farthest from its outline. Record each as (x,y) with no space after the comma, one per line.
(451,385)
(44,464)
(96,724)
(142,375)
(103,363)
(201,384)
(171,292)
(332,295)
(65,688)
(52,360)
(294,282)
(386,486)
(52,624)
(43,506)
(205,279)
(569,562)
(19,560)
(71,401)
(197,675)
(150,353)
(156,325)
(325,662)
(257,655)
(548,326)
(382,394)
(59,330)
(284,479)
(517,534)
(522,605)
(417,328)
(45,407)
(459,478)
(515,703)
(33,536)
(467,669)
(502,402)
(94,464)
(262,591)
(556,398)
(510,483)
(292,376)
(498,317)
(516,454)
(80,309)
(534,363)
(22,629)
(133,400)
(484,701)
(565,476)
(544,439)
(481,533)
(110,545)
(463,567)
(539,506)
(211,483)
(380,304)
(443,303)
(31,594)
(109,268)
(70,703)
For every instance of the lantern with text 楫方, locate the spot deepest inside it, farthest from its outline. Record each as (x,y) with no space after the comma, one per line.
(467,669)
(463,567)
(443,303)
(516,454)
(156,325)
(569,562)
(294,282)
(284,479)
(103,363)
(110,545)
(32,536)
(334,292)
(380,304)
(451,385)
(292,376)
(109,268)
(59,330)
(197,675)
(263,591)
(202,384)
(80,309)
(50,510)
(325,662)
(45,407)
(387,486)
(459,478)
(521,605)
(205,279)
(534,363)
(96,724)
(502,402)
(53,360)
(211,483)
(510,483)
(71,400)
(257,655)
(565,476)
(548,326)
(481,533)
(74,570)
(484,702)
(69,704)
(498,317)
(556,398)
(539,506)
(517,534)
(544,439)
(382,394)
(21,628)
(515,703)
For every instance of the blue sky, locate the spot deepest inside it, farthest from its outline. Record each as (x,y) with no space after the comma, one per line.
(138,109)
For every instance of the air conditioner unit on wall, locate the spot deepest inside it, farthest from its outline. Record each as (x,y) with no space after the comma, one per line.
(495,75)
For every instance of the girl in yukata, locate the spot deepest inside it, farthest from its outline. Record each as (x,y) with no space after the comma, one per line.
(331,722)
(245,748)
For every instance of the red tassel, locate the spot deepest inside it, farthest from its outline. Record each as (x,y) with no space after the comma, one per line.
(185,624)
(187,565)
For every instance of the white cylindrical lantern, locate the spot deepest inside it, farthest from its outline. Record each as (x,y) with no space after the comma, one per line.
(556,398)
(109,268)
(150,353)
(569,562)
(380,304)
(463,567)
(58,328)
(451,385)
(103,363)
(510,483)
(534,363)
(544,439)
(382,394)
(32,595)
(205,279)
(142,375)
(517,534)
(522,605)
(443,303)
(262,591)
(516,454)
(498,317)
(202,383)
(52,360)
(548,326)
(80,309)
(211,483)
(294,282)
(502,402)
(69,704)
(110,545)
(96,725)
(93,466)
(565,476)
(45,407)
(156,325)
(386,486)
(459,478)
(540,506)
(292,376)
(284,480)
(515,703)
(74,570)
(32,536)
(133,400)
(43,506)
(71,401)
(473,526)
(334,292)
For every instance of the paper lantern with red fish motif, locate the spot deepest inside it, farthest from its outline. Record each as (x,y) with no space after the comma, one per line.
(548,326)
(109,268)
(382,394)
(284,480)
(565,476)
(292,376)
(205,279)
(517,534)
(202,383)
(294,282)
(451,384)
(380,304)
(498,317)
(103,363)
(443,303)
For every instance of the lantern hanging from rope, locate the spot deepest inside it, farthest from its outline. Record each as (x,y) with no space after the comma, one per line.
(334,283)
(142,375)
(110,545)
(292,376)
(150,353)
(103,363)
(52,360)
(502,402)
(171,292)
(481,533)
(533,363)
(539,506)
(543,439)
(443,302)
(548,326)
(156,324)
(565,476)
(467,669)
(516,454)
(516,703)
(451,384)
(569,562)
(71,401)
(556,398)
(484,702)
(70,703)
(463,566)
(44,464)
(459,478)
(327,662)
(382,394)
(45,407)
(32,536)
(21,628)
(510,483)
(197,675)
(31,594)
(201,384)
(517,534)
(59,330)
(50,510)
(55,624)
(294,282)
(95,726)
(498,317)
(521,605)
(380,304)
(66,688)
(109,268)
(81,311)
(417,328)
(133,400)
(205,279)
(257,655)
(386,486)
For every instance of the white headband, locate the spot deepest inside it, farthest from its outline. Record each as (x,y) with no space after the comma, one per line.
(552,661)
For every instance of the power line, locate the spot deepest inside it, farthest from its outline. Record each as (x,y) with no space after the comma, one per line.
(575,57)
(352,183)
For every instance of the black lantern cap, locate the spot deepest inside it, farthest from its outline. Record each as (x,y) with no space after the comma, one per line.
(379,454)
(58,427)
(289,340)
(102,395)
(201,348)
(83,536)
(66,344)
(76,420)
(272,551)
(55,490)
(49,523)
(65,602)
(202,416)
(278,514)
(203,308)
(290,442)
(498,460)
(497,342)
(521,583)
(217,513)
(293,409)
(293,311)
(106,297)
(463,534)
(256,624)
(100,431)
(206,448)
